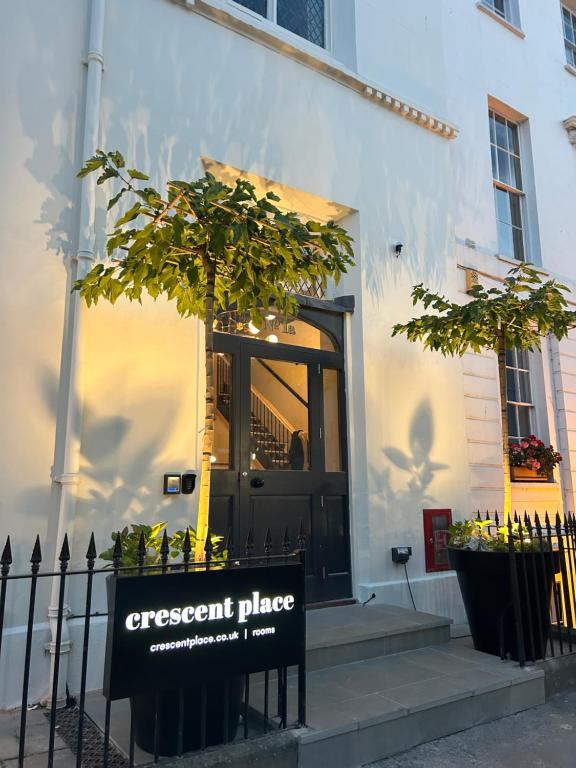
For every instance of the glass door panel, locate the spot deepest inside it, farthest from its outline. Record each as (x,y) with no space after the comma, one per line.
(279,416)
(222,448)
(332,436)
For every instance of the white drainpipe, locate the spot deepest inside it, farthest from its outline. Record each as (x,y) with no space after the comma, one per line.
(67,463)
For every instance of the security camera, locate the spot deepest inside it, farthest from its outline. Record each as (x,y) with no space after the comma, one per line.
(398,248)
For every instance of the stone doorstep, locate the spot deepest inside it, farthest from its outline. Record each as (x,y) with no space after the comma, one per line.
(449,688)
(340,635)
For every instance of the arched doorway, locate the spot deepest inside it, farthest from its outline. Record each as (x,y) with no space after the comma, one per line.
(280,440)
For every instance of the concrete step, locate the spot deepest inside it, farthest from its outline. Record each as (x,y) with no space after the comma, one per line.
(362,712)
(350,633)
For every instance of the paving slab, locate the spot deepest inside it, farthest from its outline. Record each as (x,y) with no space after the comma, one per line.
(366,710)
(544,737)
(37,734)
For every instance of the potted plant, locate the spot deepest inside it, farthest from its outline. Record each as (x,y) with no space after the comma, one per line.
(150,545)
(531,460)
(482,555)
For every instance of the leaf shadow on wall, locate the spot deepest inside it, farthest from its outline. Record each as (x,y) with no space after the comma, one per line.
(417,464)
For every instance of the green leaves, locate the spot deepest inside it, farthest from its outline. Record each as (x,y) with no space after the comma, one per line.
(130,215)
(524,310)
(257,251)
(134,174)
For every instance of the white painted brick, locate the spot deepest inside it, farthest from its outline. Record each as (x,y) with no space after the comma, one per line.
(477,429)
(473,385)
(486,477)
(481,409)
(483,453)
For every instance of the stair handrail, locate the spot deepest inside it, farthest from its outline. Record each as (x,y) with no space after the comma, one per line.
(282,381)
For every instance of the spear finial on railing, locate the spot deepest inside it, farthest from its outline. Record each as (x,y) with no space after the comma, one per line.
(208,548)
(91,553)
(164,548)
(558,523)
(64,555)
(538,526)
(496,519)
(186,549)
(6,559)
(117,552)
(301,541)
(286,543)
(229,545)
(268,544)
(249,546)
(36,558)
(141,550)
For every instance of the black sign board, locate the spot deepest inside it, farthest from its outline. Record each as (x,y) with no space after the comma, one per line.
(167,629)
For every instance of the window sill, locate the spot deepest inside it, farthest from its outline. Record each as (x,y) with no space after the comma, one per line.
(510,27)
(570,68)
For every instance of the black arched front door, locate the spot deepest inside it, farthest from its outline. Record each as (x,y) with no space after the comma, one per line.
(280,450)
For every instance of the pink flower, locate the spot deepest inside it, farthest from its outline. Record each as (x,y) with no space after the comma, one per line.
(536,464)
(524,444)
(534,443)
(516,448)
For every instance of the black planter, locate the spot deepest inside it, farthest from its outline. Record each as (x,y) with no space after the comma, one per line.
(217,720)
(485,584)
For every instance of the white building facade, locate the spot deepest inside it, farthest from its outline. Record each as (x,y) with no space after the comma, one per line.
(448,128)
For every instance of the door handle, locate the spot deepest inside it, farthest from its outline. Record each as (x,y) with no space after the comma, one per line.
(257,482)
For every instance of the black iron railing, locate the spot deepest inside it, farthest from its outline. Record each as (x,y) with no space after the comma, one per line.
(72,720)
(541,614)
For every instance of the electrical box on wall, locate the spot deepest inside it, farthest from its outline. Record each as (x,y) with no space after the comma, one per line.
(436,524)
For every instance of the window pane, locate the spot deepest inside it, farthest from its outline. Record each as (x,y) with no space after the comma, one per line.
(500,7)
(513,143)
(258,6)
(504,174)
(278,415)
(524,381)
(516,173)
(515,210)
(505,240)
(522,359)
(510,358)
(524,420)
(568,29)
(303,17)
(518,244)
(512,422)
(494,162)
(501,133)
(511,392)
(502,205)
(332,438)
(221,451)
(492,128)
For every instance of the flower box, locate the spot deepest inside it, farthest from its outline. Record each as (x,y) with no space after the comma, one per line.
(526,475)
(531,456)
